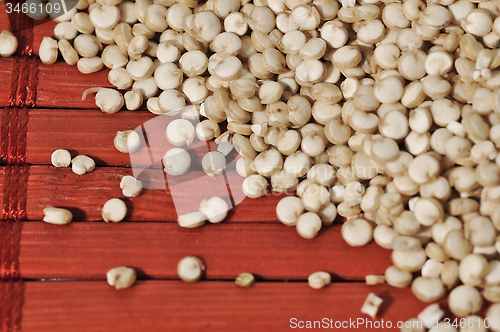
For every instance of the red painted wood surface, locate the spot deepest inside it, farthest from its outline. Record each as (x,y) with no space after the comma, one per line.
(62,86)
(88,132)
(219,306)
(251,239)
(271,251)
(86,194)
(92,132)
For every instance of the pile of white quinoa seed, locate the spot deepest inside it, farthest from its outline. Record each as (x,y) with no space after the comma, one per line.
(385,113)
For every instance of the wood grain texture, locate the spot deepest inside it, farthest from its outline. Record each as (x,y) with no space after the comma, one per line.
(272,251)
(92,132)
(88,132)
(86,194)
(62,86)
(214,306)
(251,239)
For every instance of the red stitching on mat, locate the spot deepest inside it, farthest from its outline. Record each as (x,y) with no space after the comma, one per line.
(14,192)
(22,132)
(13,85)
(17,306)
(14,201)
(9,193)
(28,36)
(13,136)
(23,82)
(5,130)
(9,269)
(33,83)
(22,193)
(14,209)
(6,195)
(14,132)
(5,234)
(23,25)
(13,250)
(11,303)
(13,151)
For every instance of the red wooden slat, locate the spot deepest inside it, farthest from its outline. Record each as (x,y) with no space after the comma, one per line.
(273,251)
(62,86)
(85,194)
(218,306)
(88,250)
(91,132)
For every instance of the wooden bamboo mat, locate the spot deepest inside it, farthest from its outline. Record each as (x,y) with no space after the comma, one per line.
(53,277)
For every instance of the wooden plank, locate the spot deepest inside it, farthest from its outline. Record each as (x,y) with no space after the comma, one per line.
(92,132)
(218,306)
(271,251)
(89,132)
(62,86)
(85,195)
